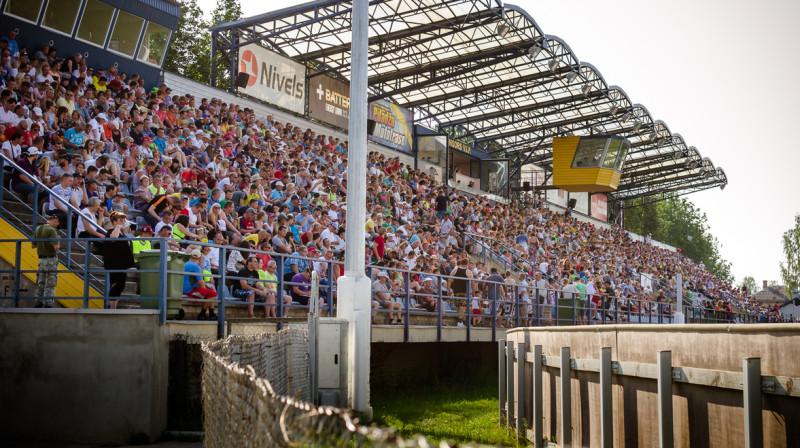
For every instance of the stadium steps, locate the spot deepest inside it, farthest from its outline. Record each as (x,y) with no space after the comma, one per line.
(69,284)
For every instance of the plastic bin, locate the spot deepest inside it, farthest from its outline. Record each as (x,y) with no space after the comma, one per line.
(566,314)
(151,281)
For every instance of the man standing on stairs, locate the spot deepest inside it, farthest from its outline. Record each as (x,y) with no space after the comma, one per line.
(47,275)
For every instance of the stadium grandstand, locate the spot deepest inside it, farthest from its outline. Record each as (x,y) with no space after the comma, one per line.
(247,177)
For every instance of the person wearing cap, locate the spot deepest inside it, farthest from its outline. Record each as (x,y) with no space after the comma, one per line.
(249,288)
(277,194)
(194,286)
(117,255)
(22,181)
(383,299)
(47,274)
(141,242)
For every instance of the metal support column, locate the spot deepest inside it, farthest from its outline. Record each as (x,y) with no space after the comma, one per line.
(751,382)
(606,405)
(566,399)
(665,435)
(510,383)
(501,377)
(538,403)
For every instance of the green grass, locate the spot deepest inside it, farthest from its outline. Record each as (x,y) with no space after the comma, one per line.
(447,412)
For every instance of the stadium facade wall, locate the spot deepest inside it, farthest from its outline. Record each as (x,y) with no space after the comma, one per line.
(83,375)
(183,85)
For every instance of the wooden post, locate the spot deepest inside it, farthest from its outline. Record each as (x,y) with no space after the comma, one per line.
(606,404)
(665,436)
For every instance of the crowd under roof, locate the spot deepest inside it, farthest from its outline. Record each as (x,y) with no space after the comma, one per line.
(486,70)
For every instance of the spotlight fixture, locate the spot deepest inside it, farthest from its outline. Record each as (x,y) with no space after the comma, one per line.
(675,155)
(653,136)
(661,142)
(687,164)
(597,130)
(502,30)
(569,77)
(626,117)
(614,109)
(586,89)
(637,125)
(553,65)
(722,187)
(534,51)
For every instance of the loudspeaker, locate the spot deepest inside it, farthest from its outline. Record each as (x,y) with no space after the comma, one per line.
(526,186)
(371,126)
(572,203)
(242,79)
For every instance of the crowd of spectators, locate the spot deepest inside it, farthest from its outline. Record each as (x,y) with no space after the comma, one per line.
(202,170)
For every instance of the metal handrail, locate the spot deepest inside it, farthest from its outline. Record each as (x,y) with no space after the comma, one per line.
(499,309)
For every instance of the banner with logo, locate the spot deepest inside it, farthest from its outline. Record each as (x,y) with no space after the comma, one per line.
(329,100)
(273,78)
(600,207)
(390,125)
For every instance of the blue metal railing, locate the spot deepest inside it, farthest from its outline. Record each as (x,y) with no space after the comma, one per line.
(489,304)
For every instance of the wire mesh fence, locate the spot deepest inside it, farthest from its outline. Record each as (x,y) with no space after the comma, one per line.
(256,393)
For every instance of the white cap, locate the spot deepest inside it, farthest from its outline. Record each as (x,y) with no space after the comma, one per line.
(37,111)
(102,116)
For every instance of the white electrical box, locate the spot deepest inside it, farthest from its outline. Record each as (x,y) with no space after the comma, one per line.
(331,365)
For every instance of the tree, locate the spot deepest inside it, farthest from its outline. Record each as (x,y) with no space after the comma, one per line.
(790,271)
(226,11)
(190,51)
(678,222)
(750,283)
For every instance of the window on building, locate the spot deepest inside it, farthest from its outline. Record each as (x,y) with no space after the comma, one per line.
(61,15)
(589,152)
(126,33)
(623,153)
(95,22)
(25,9)
(154,44)
(612,153)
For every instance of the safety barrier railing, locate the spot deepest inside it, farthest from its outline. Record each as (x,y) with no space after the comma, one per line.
(71,214)
(483,304)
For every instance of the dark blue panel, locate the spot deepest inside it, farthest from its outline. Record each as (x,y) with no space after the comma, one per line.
(158,11)
(32,37)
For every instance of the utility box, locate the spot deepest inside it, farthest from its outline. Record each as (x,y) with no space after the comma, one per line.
(331,362)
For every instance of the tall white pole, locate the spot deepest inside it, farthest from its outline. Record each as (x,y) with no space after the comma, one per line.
(355,289)
(679,316)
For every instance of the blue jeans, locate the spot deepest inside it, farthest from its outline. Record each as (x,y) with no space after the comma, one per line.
(27,191)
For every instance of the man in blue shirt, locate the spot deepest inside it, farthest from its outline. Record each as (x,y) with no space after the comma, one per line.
(74,137)
(195,287)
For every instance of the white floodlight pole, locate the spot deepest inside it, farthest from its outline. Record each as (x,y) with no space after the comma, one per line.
(679,316)
(355,289)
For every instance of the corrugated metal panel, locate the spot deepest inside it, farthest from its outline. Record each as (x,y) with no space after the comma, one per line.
(157,11)
(181,85)
(34,37)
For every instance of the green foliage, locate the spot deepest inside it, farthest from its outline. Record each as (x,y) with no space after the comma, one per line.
(750,282)
(452,412)
(678,222)
(190,51)
(790,271)
(226,11)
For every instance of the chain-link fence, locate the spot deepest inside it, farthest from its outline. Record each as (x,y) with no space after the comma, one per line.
(248,385)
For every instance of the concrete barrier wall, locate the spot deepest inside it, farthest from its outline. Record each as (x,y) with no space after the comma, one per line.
(703,416)
(89,376)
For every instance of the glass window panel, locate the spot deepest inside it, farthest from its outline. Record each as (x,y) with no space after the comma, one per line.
(61,15)
(589,152)
(126,33)
(95,21)
(611,154)
(25,9)
(154,44)
(623,153)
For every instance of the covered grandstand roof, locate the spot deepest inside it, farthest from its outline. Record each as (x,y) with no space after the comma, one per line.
(487,70)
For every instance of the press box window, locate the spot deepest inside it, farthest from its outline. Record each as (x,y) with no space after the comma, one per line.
(623,152)
(60,15)
(589,152)
(25,9)
(126,33)
(612,153)
(95,22)
(154,44)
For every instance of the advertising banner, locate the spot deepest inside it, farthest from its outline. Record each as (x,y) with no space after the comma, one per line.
(390,125)
(273,78)
(329,101)
(600,207)
(582,204)
(557,197)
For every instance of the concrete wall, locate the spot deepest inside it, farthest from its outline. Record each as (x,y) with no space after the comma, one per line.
(703,416)
(91,376)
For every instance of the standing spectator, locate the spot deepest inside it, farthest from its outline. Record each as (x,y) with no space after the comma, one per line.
(47,275)
(117,255)
(459,287)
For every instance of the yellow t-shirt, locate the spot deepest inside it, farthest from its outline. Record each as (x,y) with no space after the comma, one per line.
(370,225)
